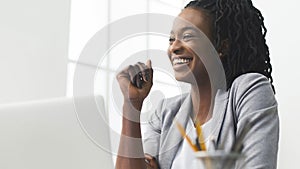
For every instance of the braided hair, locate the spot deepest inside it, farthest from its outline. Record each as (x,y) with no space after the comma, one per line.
(241,25)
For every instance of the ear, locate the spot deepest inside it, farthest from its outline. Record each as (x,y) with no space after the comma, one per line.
(223,49)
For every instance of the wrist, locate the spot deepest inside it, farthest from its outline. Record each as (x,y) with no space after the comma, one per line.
(135,104)
(131,119)
(132,111)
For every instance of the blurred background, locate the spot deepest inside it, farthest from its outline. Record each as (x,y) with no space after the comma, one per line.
(41,41)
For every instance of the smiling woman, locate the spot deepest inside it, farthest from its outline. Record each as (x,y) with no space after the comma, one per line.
(186,37)
(236,30)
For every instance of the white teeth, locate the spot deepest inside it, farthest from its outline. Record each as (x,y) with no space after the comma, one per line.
(181,61)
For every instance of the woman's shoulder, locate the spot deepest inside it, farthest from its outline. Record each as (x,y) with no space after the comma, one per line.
(249,77)
(251,82)
(252,91)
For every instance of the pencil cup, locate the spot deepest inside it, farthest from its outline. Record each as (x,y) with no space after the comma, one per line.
(217,159)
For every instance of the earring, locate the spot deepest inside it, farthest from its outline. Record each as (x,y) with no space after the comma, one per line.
(220,54)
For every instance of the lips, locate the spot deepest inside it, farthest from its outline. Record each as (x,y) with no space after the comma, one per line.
(181,60)
(181,63)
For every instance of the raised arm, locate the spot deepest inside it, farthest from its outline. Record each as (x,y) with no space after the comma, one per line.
(135,82)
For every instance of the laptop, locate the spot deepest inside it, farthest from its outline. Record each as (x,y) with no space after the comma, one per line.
(60,133)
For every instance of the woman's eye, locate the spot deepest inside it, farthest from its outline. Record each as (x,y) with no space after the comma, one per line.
(187,37)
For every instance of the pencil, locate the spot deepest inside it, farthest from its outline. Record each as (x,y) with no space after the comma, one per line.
(184,135)
(200,136)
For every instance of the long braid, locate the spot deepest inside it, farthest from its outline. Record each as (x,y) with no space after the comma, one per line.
(242,26)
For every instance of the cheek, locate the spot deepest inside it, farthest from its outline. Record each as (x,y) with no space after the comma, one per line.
(197,65)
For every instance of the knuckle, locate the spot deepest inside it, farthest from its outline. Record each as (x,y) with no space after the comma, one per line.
(118,75)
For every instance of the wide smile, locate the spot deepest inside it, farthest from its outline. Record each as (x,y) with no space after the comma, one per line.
(180,61)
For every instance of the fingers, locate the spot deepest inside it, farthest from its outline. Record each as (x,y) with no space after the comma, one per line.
(151,162)
(133,71)
(146,72)
(140,74)
(123,77)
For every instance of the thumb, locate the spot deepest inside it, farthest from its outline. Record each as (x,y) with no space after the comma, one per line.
(149,64)
(150,75)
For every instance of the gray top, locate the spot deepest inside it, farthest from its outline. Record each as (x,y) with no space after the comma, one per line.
(249,97)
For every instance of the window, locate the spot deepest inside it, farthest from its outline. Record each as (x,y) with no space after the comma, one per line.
(90,16)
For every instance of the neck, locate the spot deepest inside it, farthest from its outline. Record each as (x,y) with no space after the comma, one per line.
(201,100)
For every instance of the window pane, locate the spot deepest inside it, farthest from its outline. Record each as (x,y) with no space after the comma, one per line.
(120,9)
(124,53)
(168,7)
(87,17)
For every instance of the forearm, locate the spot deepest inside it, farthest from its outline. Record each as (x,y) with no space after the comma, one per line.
(131,154)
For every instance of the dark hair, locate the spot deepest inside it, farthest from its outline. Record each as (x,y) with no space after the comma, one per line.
(241,25)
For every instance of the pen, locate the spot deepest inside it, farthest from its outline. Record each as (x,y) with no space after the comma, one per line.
(184,135)
(200,136)
(198,144)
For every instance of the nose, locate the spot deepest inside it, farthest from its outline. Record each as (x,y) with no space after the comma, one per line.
(176,47)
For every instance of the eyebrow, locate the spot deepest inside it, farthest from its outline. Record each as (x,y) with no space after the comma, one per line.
(188,28)
(185,29)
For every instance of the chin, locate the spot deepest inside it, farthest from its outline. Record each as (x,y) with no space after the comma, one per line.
(185,77)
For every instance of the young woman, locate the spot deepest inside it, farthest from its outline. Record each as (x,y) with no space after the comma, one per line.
(237,32)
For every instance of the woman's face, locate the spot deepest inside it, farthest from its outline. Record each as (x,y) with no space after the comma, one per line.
(186,39)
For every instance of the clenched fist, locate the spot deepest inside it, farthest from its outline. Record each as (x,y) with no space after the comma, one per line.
(136,81)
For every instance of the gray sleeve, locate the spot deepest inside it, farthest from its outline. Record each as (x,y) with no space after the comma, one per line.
(255,99)
(152,134)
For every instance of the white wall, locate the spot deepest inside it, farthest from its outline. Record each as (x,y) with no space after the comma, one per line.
(33,49)
(282,21)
